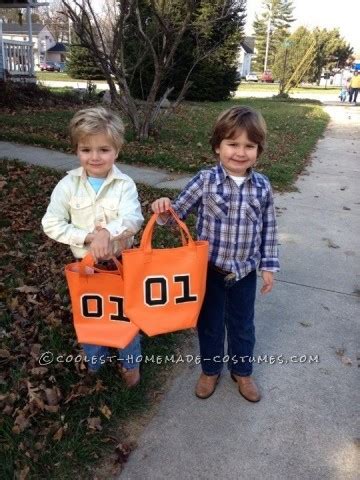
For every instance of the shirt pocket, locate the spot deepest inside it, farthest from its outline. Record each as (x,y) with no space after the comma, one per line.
(253,210)
(110,209)
(216,205)
(82,211)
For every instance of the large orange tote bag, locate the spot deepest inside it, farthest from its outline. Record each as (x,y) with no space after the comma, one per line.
(97,304)
(164,288)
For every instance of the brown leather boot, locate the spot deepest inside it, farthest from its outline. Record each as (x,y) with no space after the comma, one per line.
(247,387)
(206,385)
(131,377)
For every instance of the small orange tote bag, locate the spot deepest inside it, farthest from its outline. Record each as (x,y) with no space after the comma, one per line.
(97,304)
(164,288)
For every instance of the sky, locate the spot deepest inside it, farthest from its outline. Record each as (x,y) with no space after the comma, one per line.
(319,13)
(314,13)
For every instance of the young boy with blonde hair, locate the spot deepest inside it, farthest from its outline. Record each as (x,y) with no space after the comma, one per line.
(96,209)
(235,213)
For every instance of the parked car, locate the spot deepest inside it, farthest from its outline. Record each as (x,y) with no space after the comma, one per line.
(251,77)
(50,67)
(267,77)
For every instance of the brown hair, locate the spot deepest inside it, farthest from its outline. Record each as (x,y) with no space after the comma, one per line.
(95,120)
(234,119)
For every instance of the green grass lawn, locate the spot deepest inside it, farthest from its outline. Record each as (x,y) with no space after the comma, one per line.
(46,426)
(274,88)
(60,77)
(182,145)
(54,76)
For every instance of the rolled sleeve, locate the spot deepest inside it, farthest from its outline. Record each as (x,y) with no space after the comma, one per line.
(269,241)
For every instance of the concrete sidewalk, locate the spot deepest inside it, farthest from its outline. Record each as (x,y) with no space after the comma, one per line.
(305,425)
(43,157)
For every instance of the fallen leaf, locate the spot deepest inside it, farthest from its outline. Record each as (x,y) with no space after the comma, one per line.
(24,473)
(94,423)
(105,410)
(20,423)
(51,408)
(346,360)
(340,351)
(122,451)
(39,371)
(53,396)
(58,434)
(27,289)
(8,410)
(330,243)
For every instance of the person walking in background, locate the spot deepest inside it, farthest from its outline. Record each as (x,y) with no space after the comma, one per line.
(354,87)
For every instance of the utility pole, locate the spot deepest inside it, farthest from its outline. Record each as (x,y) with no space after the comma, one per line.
(268,31)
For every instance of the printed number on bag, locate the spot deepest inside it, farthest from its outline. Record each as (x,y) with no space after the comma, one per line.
(156,290)
(93,306)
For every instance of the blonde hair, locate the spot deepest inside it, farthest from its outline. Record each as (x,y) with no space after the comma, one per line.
(95,120)
(239,118)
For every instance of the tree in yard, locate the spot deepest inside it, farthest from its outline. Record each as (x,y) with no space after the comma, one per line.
(274,22)
(212,78)
(53,17)
(80,63)
(332,51)
(17,15)
(148,31)
(328,51)
(290,55)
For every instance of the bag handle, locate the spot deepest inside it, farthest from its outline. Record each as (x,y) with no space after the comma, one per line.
(89,261)
(146,238)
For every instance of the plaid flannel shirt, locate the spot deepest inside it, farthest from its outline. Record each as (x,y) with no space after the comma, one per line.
(238,222)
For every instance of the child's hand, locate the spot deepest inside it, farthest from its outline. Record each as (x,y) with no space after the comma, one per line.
(100,247)
(89,238)
(268,281)
(161,205)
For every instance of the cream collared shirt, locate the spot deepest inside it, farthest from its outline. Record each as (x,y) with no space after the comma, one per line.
(76,210)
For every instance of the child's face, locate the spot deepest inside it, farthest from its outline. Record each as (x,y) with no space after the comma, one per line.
(237,154)
(97,154)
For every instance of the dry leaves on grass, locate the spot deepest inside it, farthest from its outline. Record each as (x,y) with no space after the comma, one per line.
(37,401)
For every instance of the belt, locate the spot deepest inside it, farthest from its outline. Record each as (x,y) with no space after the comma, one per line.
(218,269)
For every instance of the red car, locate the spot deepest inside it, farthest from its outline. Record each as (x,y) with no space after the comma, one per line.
(50,67)
(267,77)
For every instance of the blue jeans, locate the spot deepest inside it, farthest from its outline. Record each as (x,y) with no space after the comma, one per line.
(353,93)
(97,355)
(230,306)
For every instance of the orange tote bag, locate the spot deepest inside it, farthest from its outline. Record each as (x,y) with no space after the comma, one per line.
(164,288)
(97,303)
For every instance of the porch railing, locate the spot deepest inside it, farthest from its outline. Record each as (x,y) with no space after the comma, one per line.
(18,57)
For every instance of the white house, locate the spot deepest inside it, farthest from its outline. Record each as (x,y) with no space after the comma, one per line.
(42,39)
(17,48)
(245,55)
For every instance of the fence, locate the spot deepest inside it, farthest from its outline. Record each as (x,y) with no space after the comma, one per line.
(18,57)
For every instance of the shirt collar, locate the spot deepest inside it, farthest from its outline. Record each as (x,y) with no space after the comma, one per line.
(221,174)
(114,174)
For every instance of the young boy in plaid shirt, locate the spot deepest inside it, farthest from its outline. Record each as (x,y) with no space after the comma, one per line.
(235,213)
